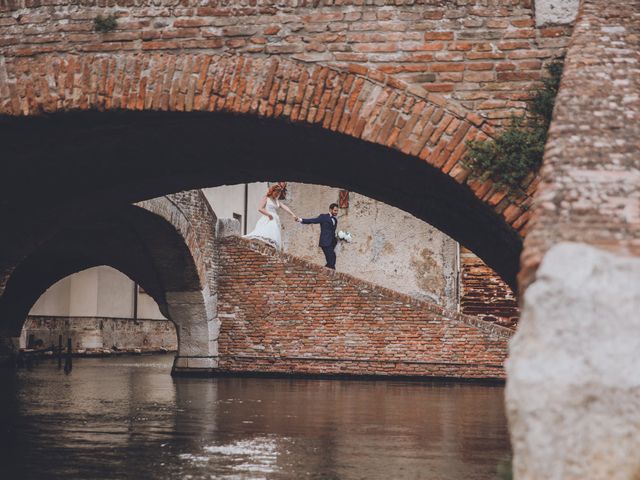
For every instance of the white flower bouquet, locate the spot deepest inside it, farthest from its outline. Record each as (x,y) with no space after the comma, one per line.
(345,236)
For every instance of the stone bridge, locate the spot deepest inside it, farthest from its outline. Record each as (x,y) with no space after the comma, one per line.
(240,307)
(167,245)
(378,97)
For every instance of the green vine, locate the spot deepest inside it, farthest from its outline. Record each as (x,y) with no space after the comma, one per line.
(105,24)
(517,151)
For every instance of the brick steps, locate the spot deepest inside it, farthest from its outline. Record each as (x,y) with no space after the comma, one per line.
(484,325)
(283,315)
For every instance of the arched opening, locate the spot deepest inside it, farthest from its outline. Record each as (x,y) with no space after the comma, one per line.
(167,243)
(87,161)
(135,156)
(143,245)
(389,247)
(103,312)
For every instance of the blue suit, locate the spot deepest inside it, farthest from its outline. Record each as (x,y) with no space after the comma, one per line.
(328,241)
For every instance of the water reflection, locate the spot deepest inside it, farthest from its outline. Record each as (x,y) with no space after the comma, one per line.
(127,418)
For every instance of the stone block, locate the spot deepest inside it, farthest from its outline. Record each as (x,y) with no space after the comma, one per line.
(573,390)
(227,227)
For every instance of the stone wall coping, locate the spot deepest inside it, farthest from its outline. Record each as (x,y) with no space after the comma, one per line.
(246,5)
(312,358)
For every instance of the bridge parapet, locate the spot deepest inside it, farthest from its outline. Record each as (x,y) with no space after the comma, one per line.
(422,77)
(482,57)
(283,315)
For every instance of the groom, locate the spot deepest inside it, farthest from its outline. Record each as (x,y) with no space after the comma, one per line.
(328,223)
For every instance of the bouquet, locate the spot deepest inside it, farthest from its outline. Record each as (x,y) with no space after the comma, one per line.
(344,236)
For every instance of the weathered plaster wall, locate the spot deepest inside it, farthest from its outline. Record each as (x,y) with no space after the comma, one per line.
(147,307)
(115,294)
(95,292)
(390,247)
(556,12)
(95,308)
(83,295)
(55,301)
(102,334)
(229,199)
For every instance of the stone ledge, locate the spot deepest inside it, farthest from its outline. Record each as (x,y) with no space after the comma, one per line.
(186,364)
(332,367)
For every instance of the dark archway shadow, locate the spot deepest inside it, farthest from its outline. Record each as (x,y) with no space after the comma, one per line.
(62,169)
(138,243)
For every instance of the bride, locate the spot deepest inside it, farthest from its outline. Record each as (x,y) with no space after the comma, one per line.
(268,226)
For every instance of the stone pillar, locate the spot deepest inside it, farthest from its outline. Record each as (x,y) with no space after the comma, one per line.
(573,376)
(197,328)
(196,319)
(573,388)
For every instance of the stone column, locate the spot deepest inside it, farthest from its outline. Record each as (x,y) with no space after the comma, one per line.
(197,324)
(197,327)
(573,375)
(573,388)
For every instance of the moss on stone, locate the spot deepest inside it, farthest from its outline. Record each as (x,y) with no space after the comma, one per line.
(105,24)
(518,150)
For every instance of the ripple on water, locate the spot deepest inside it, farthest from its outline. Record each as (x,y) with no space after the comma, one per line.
(257,455)
(120,418)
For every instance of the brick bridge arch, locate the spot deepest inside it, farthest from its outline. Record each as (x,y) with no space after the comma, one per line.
(164,244)
(416,79)
(397,145)
(355,101)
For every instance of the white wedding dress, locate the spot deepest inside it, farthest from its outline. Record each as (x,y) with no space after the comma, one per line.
(268,230)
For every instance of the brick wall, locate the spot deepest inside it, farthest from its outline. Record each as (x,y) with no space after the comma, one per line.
(102,334)
(484,293)
(590,191)
(280,314)
(484,55)
(421,77)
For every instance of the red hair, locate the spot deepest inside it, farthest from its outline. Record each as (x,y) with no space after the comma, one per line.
(274,190)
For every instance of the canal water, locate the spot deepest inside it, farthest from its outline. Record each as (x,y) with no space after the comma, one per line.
(127,418)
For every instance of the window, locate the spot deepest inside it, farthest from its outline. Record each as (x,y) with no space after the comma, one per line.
(343,199)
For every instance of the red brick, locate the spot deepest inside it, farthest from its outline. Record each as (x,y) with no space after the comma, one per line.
(403,334)
(439,87)
(438,36)
(447,67)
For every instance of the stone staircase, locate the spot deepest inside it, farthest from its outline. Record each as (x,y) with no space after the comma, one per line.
(280,314)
